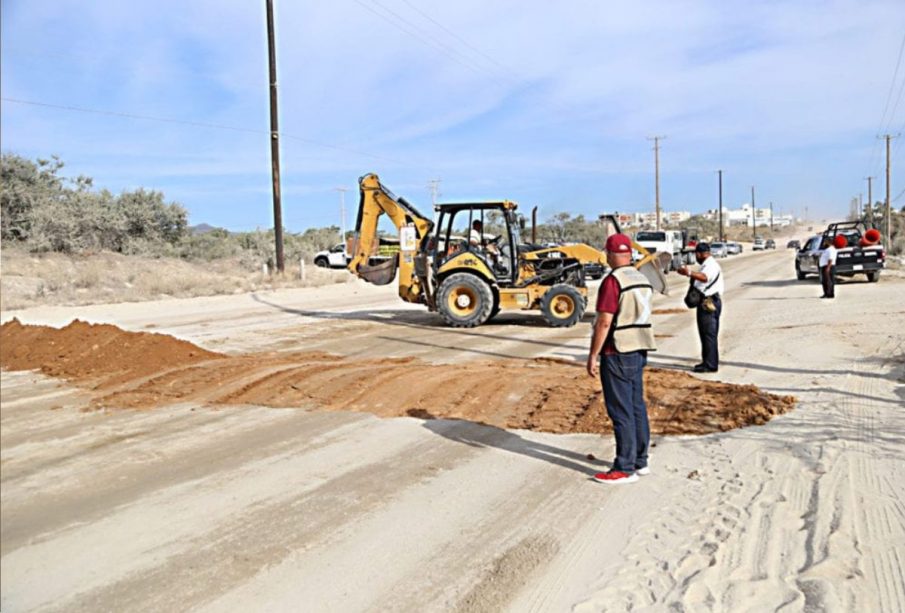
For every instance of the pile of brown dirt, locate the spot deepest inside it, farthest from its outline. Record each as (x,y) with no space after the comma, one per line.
(141,370)
(100,355)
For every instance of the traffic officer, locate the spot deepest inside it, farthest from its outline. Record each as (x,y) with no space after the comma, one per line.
(828,268)
(709,279)
(622,332)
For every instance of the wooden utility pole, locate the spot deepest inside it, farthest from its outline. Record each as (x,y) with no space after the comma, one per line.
(870,202)
(888,138)
(771,216)
(274,140)
(656,140)
(720,172)
(753,218)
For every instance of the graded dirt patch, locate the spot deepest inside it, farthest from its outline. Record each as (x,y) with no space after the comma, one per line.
(143,370)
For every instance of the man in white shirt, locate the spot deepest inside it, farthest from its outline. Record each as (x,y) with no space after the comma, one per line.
(828,268)
(709,279)
(476,236)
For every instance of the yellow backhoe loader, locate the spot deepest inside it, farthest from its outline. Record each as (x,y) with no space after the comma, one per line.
(461,273)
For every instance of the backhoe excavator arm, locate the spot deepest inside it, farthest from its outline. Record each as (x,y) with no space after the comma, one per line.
(376,200)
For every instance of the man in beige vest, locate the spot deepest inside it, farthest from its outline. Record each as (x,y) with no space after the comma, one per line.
(621,339)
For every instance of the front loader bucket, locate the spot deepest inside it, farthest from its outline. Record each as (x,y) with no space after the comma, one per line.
(652,266)
(379,274)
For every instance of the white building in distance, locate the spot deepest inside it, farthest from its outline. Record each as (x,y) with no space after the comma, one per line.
(667,218)
(745,216)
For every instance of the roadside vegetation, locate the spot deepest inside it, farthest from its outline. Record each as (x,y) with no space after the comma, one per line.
(66,242)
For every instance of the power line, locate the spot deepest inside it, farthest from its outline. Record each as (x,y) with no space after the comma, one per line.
(456,36)
(875,160)
(892,114)
(901,193)
(196,124)
(892,85)
(439,47)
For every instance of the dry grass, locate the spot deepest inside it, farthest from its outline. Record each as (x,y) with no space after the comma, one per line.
(51,279)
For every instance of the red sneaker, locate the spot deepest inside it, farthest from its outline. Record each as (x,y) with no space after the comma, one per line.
(615,476)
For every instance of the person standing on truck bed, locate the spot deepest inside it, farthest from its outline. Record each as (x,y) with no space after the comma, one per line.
(828,268)
(623,333)
(709,279)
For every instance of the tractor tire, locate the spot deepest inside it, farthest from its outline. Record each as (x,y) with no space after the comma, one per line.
(563,306)
(322,263)
(496,307)
(801,276)
(464,300)
(873,276)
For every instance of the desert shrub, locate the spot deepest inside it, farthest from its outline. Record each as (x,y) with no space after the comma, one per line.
(47,212)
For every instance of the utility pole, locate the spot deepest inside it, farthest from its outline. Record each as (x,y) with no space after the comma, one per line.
(434,185)
(771,216)
(274,140)
(870,202)
(342,211)
(753,220)
(656,140)
(720,173)
(888,138)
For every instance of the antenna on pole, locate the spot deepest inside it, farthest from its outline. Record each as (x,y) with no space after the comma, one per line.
(434,186)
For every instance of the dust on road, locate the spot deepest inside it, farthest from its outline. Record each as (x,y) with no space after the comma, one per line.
(145,370)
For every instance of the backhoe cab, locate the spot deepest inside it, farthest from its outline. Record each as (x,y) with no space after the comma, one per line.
(456,268)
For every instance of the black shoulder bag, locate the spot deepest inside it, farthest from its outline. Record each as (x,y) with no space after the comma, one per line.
(694,297)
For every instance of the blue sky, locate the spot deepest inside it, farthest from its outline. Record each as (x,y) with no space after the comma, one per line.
(548,104)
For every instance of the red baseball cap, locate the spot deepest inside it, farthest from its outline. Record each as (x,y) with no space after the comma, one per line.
(619,243)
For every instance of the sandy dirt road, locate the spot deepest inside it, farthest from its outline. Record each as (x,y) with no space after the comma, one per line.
(246,507)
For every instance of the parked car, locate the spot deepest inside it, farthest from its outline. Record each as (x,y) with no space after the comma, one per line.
(759,244)
(793,244)
(771,244)
(718,250)
(733,248)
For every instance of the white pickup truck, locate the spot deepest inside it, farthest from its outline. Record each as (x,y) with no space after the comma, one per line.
(663,241)
(335,257)
(338,256)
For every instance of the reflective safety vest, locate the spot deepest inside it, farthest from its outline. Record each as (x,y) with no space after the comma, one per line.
(631,329)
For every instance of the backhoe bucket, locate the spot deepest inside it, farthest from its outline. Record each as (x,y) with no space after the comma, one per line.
(652,266)
(380,274)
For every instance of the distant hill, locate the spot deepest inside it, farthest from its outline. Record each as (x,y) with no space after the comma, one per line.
(202,228)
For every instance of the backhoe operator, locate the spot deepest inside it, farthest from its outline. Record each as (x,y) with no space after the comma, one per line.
(476,239)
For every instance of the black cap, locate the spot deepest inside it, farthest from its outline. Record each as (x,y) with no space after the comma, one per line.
(702,248)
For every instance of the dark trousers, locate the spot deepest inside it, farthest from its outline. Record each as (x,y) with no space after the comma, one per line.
(827,277)
(623,394)
(709,331)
